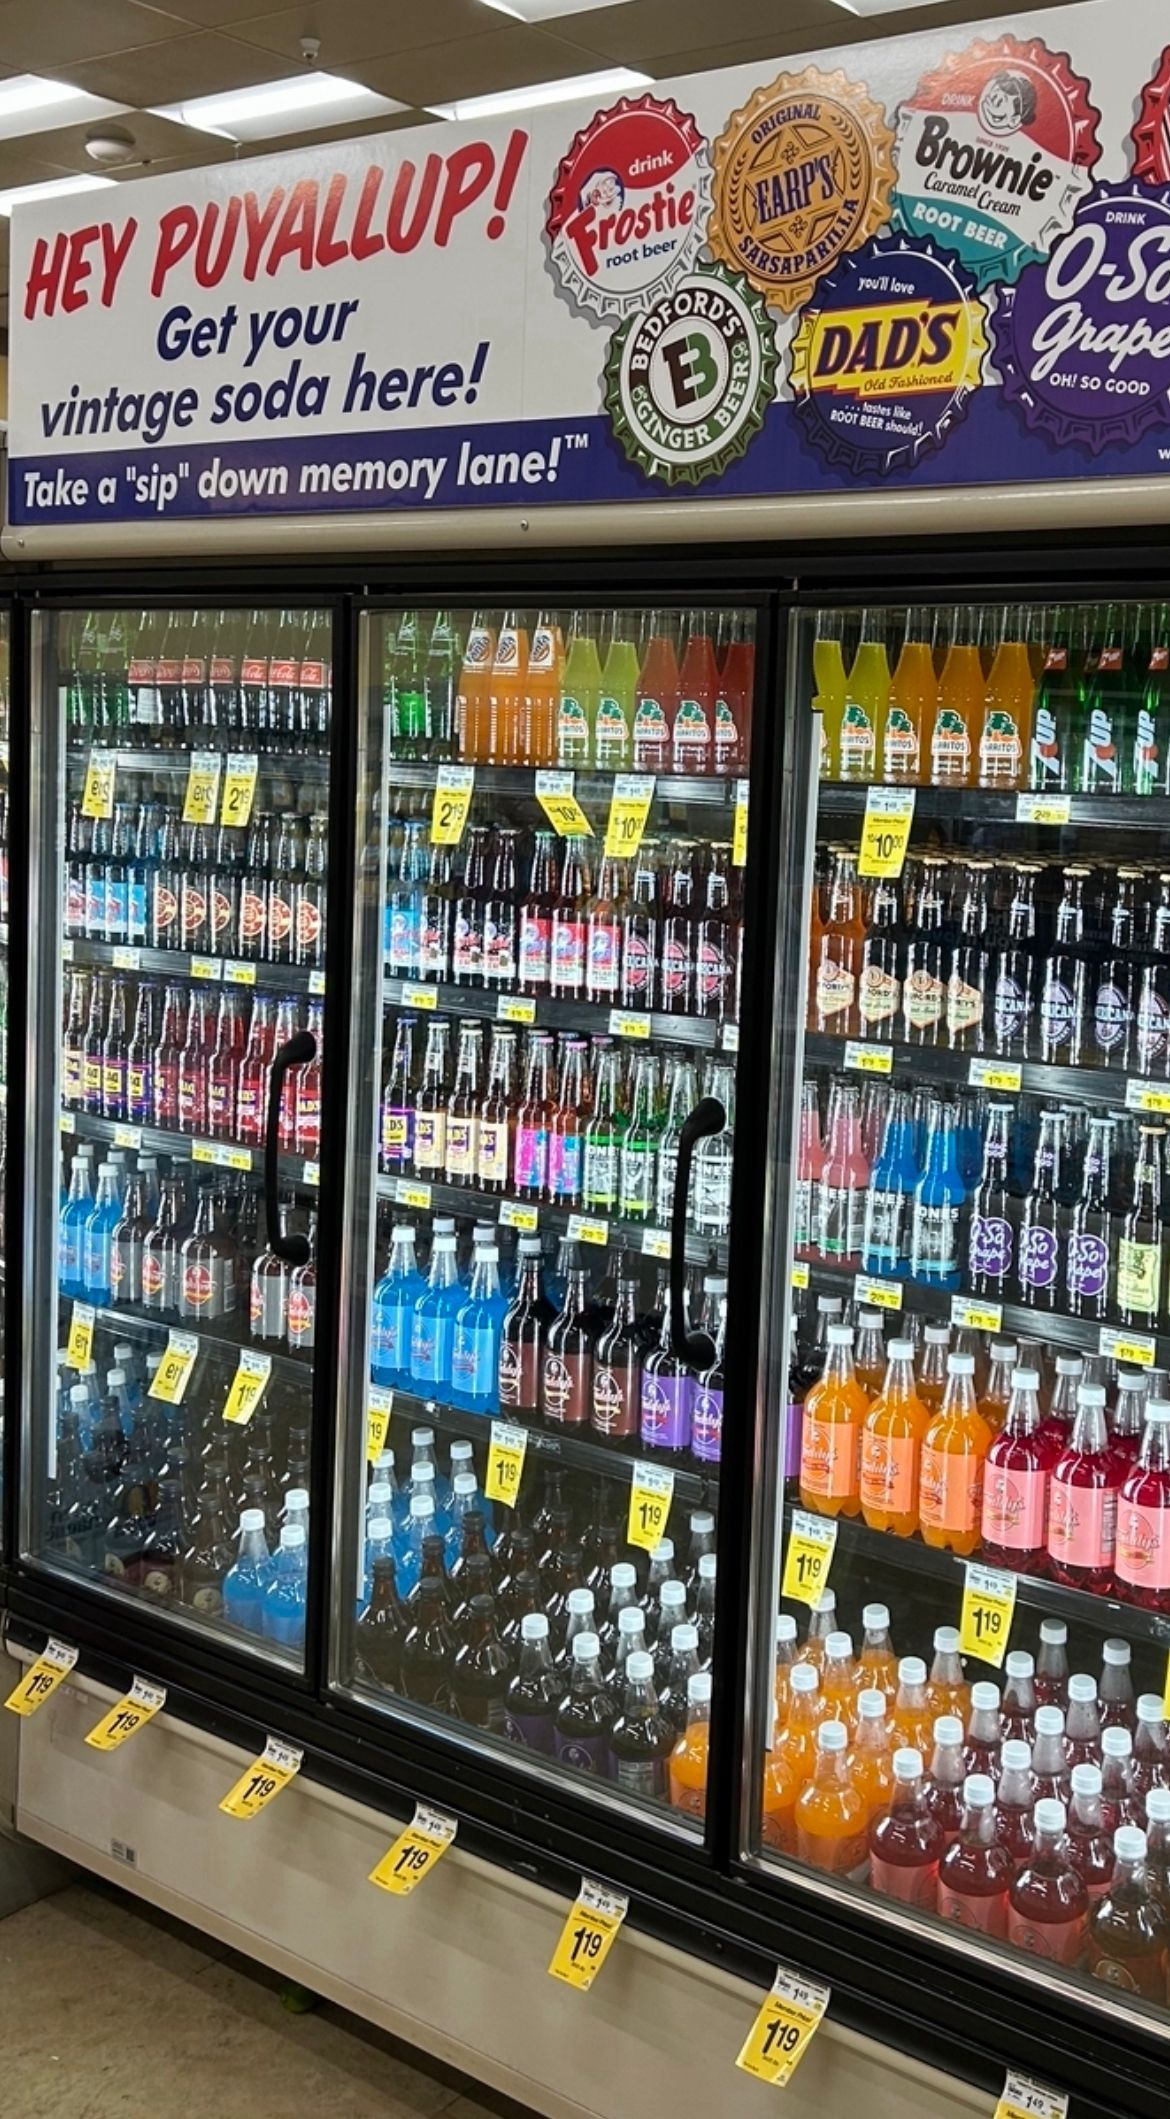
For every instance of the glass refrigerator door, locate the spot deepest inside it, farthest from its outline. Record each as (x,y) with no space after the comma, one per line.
(183,779)
(963,1721)
(553,816)
(5,625)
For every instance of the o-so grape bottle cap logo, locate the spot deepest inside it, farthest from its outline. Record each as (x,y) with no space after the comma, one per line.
(1083,342)
(802,174)
(628,206)
(688,382)
(887,355)
(995,149)
(1151,134)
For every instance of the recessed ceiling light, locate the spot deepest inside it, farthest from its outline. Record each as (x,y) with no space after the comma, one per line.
(883,7)
(30,104)
(56,188)
(567,91)
(548,10)
(273,107)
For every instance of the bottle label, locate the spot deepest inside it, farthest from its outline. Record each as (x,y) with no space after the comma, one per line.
(706,1424)
(565,1389)
(534,1731)
(1039,1256)
(615,1401)
(1138,1975)
(1088,1266)
(153,1278)
(1145,752)
(1046,757)
(900,750)
(430,1139)
(194,915)
(499,944)
(493,1151)
(857,743)
(1101,757)
(676,965)
(830,1457)
(266,1305)
(884,1220)
(917,1886)
(1015,1505)
(1060,1941)
(637,959)
(397,1134)
(430,1347)
(1139,1276)
(205,1287)
(950,748)
(726,736)
(585,1754)
(983,1916)
(468,949)
(651,735)
(70,1075)
(711,1196)
(924,999)
(935,1241)
(568,951)
(403,935)
(603,956)
(1152,1023)
(692,737)
(531,1158)
(848,1857)
(1082,1524)
(1112,1014)
(564,1165)
(840,1220)
(572,728)
(473,1358)
(1143,1545)
(253,916)
(520,1374)
(836,986)
(964,1006)
(1000,749)
(879,995)
(114,1085)
(666,1411)
(600,1188)
(1058,1014)
(535,937)
(950,1493)
(887,1473)
(990,1248)
(432,935)
(126,1269)
(461,1150)
(118,908)
(637,1180)
(640,1776)
(611,730)
(1009,1009)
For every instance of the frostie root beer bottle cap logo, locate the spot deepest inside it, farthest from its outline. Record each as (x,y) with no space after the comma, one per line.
(628,206)
(803,174)
(689,381)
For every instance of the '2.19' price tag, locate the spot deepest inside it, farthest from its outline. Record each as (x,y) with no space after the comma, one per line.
(505,1466)
(812,1542)
(588,1935)
(885,831)
(651,1493)
(98,795)
(780,2034)
(239,788)
(415,1851)
(276,1766)
(989,1602)
(454,787)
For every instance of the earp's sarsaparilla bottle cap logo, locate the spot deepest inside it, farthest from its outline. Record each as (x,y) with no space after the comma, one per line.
(888,354)
(1151,134)
(996,148)
(803,174)
(689,381)
(629,206)
(1082,342)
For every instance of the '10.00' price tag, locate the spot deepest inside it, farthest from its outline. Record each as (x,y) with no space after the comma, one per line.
(885,832)
(651,1493)
(588,1935)
(505,1467)
(415,1851)
(554,792)
(812,1542)
(276,1766)
(780,2034)
(628,810)
(126,1717)
(989,1601)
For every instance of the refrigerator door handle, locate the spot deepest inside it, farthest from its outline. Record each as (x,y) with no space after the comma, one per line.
(298,1051)
(697,1349)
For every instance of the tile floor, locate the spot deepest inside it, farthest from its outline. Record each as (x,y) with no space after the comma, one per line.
(109,2010)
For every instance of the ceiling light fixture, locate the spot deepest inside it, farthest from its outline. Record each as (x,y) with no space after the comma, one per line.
(566,91)
(28,103)
(548,10)
(292,105)
(55,188)
(870,8)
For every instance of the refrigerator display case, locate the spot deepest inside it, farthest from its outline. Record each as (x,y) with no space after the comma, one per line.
(182,775)
(959,1697)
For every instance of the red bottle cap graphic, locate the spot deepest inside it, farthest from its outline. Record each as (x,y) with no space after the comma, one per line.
(1151,134)
(628,206)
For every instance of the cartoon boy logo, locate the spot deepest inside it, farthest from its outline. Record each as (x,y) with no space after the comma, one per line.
(604,191)
(1008,102)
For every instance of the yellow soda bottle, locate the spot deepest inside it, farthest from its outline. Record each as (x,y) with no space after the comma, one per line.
(867,701)
(613,729)
(1005,745)
(913,708)
(958,718)
(830,684)
(580,694)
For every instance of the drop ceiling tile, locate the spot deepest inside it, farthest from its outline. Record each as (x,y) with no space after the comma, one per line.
(153,139)
(214,14)
(357,129)
(516,57)
(49,36)
(657,30)
(367,29)
(201,64)
(26,162)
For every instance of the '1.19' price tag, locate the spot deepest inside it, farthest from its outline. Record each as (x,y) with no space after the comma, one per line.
(651,1493)
(454,787)
(126,1717)
(415,1851)
(1024,2099)
(780,2034)
(379,1406)
(739,828)
(554,792)
(885,831)
(248,1387)
(505,1466)
(989,1601)
(41,1679)
(81,1323)
(588,1935)
(199,802)
(812,1542)
(276,1766)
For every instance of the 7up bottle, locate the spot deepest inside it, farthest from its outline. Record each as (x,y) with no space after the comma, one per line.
(1151,741)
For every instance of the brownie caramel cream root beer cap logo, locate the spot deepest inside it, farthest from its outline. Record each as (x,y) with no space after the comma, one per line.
(689,381)
(1151,134)
(803,174)
(628,206)
(996,149)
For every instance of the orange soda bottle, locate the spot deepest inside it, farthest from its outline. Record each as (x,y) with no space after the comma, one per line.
(932,1368)
(997,1393)
(785,1662)
(1005,743)
(913,708)
(912,1718)
(507,691)
(472,712)
(688,1760)
(869,1352)
(877,1663)
(831,1813)
(839,1685)
(890,1443)
(822,1623)
(871,1766)
(953,740)
(790,1762)
(656,700)
(830,1441)
(546,662)
(947,1688)
(954,1451)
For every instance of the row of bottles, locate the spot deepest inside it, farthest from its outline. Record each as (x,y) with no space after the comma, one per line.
(262,678)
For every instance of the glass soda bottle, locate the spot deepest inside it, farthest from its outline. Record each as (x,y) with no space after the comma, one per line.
(907,1843)
(656,700)
(914,702)
(542,691)
(1082,1519)
(580,695)
(839,1206)
(830,684)
(954,1452)
(693,733)
(867,700)
(975,1873)
(733,700)
(1005,740)
(958,720)
(613,733)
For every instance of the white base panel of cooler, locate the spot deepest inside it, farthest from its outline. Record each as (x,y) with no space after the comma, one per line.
(458,1969)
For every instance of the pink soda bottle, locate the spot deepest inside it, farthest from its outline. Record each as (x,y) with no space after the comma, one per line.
(948,1771)
(1050,1755)
(1015,1802)
(1048,1904)
(1127,1424)
(1015,1483)
(1118,1708)
(975,1873)
(984,1734)
(1052,1664)
(1019,1697)
(1151,1745)
(810,1165)
(1082,1727)
(1089,1845)
(906,1843)
(1120,1802)
(1143,1517)
(1082,1520)
(839,1212)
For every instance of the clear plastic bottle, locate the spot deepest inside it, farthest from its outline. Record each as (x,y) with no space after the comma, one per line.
(1089,1843)
(975,1873)
(1151,1745)
(1128,1930)
(944,1787)
(1019,1698)
(247,1579)
(1120,1802)
(1083,1722)
(932,1367)
(871,1761)
(1015,1800)
(954,1451)
(830,1811)
(877,1663)
(1052,1664)
(947,1690)
(1048,1904)
(1143,1512)
(286,1591)
(1050,1755)
(912,1718)
(891,1439)
(1158,1850)
(839,1681)
(822,1622)
(1016,1480)
(984,1734)
(1118,1707)
(1082,1519)
(907,1843)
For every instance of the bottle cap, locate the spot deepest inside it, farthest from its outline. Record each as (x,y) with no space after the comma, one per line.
(297,1498)
(832,1736)
(962,1365)
(1116,1743)
(534,1626)
(1050,1815)
(464,1483)
(78,1394)
(529,1247)
(1158,1806)
(1090,1394)
(1158,1413)
(586,1646)
(985,1697)
(825,1604)
(1133,1380)
(292,1537)
(701,1522)
(876,1618)
(1005,1350)
(252,1519)
(1129,1841)
(460,1451)
(1149,1707)
(1069,1365)
(901,1350)
(1016,1756)
(907,1765)
(639,1667)
(871,1704)
(401,1230)
(830,1305)
(662,1553)
(1116,1652)
(115,1379)
(708,1566)
(870,1319)
(422,1506)
(804,1678)
(1053,1633)
(937,1335)
(107,1169)
(978,1791)
(1086,1780)
(378,1530)
(422,1437)
(1020,1664)
(785,1628)
(911,1670)
(631,1619)
(699,1689)
(444,1225)
(948,1729)
(683,1638)
(1049,1721)
(1025,1380)
(839,1646)
(1082,1688)
(579,1601)
(671,1593)
(840,1335)
(946,1640)
(623,1574)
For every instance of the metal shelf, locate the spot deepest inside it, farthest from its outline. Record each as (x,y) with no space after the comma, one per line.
(1076,1334)
(221,1345)
(547,1447)
(974,806)
(176,757)
(519,781)
(467,1201)
(179,964)
(212,1154)
(495,1006)
(1087,1085)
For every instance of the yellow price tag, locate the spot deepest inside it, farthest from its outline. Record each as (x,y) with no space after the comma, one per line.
(409,1195)
(1140,1353)
(126,1718)
(777,2040)
(989,1602)
(583,1229)
(800,1274)
(1147,1097)
(505,1466)
(651,1493)
(98,797)
(869,1059)
(239,974)
(239,788)
(996,1074)
(276,1766)
(629,807)
(205,967)
(812,1542)
(379,1406)
(515,1008)
(656,1243)
(1166,1693)
(739,826)
(1043,809)
(624,1022)
(1024,2099)
(885,831)
(415,1851)
(224,1158)
(202,794)
(515,1216)
(422,997)
(41,1679)
(588,1935)
(248,1387)
(81,1323)
(554,792)
(454,786)
(877,1294)
(173,1373)
(976,1316)
(127,959)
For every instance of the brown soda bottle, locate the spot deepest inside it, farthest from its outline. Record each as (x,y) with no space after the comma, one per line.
(567,942)
(160,1253)
(92,1050)
(642,1738)
(210,1550)
(461,1152)
(140,1061)
(641,920)
(126,1246)
(283,889)
(676,984)
(284,671)
(114,1054)
(194,906)
(192,1067)
(534,961)
(381,1630)
(268,1298)
(223,1069)
(1129,1932)
(74,1041)
(309,898)
(434,926)
(494,1143)
(428,1649)
(166,1061)
(617,1371)
(302,1300)
(467,916)
(523,1333)
(223,888)
(252,939)
(924,990)
(207,1266)
(714,939)
(315,681)
(500,919)
(223,672)
(166,885)
(566,1381)
(482,1670)
(430,1110)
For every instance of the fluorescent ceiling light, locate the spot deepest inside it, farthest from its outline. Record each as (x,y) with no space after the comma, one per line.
(30,104)
(273,107)
(548,10)
(567,91)
(56,188)
(882,7)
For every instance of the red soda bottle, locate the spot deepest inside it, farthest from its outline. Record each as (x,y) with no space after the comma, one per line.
(165,1071)
(733,699)
(1082,1727)
(906,1844)
(223,1070)
(1128,1420)
(640,930)
(567,941)
(715,937)
(1019,1698)
(1048,1904)
(286,1028)
(253,919)
(944,1787)
(1082,1524)
(656,700)
(194,891)
(1088,1841)
(1117,1701)
(307,1092)
(534,1117)
(193,1068)
(677,968)
(1015,1801)
(1050,1754)
(1015,1483)
(1052,1664)
(1151,1745)
(1143,1517)
(984,1735)
(252,1095)
(1120,1802)
(693,731)
(533,948)
(975,1873)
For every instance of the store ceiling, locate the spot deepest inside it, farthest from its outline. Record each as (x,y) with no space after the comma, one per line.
(417,52)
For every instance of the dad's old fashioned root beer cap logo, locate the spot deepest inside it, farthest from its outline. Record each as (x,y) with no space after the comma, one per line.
(1151,134)
(995,148)
(888,354)
(803,174)
(628,206)
(688,382)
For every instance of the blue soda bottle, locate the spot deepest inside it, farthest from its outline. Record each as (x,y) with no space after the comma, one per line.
(245,1582)
(433,1324)
(886,1244)
(938,1204)
(286,1591)
(396,1297)
(475,1352)
(71,1241)
(97,1247)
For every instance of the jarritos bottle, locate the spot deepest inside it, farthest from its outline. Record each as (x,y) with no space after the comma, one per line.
(890,1442)
(656,701)
(954,1451)
(830,1445)
(954,737)
(867,699)
(1006,738)
(914,702)
(693,734)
